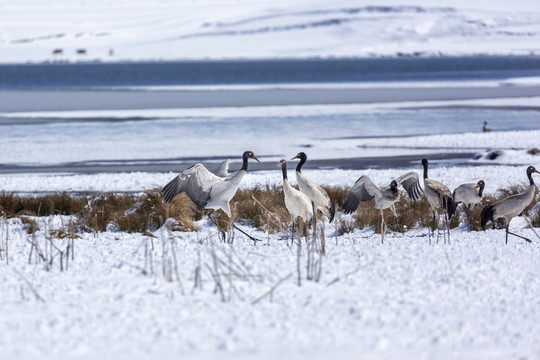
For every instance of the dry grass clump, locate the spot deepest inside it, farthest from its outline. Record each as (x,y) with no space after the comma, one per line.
(12,204)
(29,224)
(132,213)
(263,207)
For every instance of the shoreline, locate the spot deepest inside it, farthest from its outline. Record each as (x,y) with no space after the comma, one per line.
(359,163)
(38,100)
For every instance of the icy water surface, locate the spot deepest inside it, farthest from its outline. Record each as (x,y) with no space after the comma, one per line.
(96,75)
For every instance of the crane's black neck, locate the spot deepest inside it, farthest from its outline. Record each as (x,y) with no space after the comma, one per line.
(425,164)
(529,175)
(303,159)
(284,170)
(481,189)
(394,186)
(244,162)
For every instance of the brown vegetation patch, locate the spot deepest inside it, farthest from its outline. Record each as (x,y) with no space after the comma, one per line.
(12,204)
(262,207)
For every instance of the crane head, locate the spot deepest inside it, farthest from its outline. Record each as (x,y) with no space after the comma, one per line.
(301,155)
(282,162)
(250,154)
(531,169)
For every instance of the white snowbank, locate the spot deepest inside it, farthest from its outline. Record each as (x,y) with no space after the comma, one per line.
(495,176)
(103,30)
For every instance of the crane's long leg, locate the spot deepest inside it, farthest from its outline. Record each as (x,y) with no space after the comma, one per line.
(438,221)
(511,233)
(447,224)
(245,233)
(433,225)
(396,218)
(292,233)
(213,219)
(469,210)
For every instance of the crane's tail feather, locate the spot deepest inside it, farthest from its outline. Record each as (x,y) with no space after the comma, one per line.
(332,210)
(449,205)
(487,215)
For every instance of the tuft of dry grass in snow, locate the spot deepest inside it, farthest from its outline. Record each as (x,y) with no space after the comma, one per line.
(261,207)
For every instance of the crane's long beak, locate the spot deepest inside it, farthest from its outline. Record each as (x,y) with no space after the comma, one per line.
(296,157)
(255,158)
(536,171)
(281,163)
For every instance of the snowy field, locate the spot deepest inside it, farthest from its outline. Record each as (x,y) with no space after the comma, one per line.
(106,30)
(476,298)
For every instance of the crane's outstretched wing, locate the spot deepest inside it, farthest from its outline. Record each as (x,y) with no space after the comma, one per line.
(196,181)
(363,190)
(223,169)
(411,183)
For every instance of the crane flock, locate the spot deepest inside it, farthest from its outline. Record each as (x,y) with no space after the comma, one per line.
(215,191)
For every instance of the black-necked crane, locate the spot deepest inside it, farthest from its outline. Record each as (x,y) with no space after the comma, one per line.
(314,191)
(365,190)
(297,203)
(511,206)
(206,190)
(469,194)
(438,197)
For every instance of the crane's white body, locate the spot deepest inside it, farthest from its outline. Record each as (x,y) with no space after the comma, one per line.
(297,203)
(467,194)
(435,193)
(514,205)
(365,190)
(315,193)
(205,189)
(511,206)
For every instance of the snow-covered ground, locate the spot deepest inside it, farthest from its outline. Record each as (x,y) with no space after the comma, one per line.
(106,30)
(476,298)
(495,176)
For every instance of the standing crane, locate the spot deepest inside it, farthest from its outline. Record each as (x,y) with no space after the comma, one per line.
(365,190)
(315,192)
(206,190)
(439,197)
(511,206)
(469,194)
(297,203)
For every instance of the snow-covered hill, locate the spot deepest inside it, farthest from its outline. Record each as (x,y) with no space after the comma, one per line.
(65,30)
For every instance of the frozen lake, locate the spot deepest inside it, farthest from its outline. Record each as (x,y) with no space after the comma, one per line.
(133,117)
